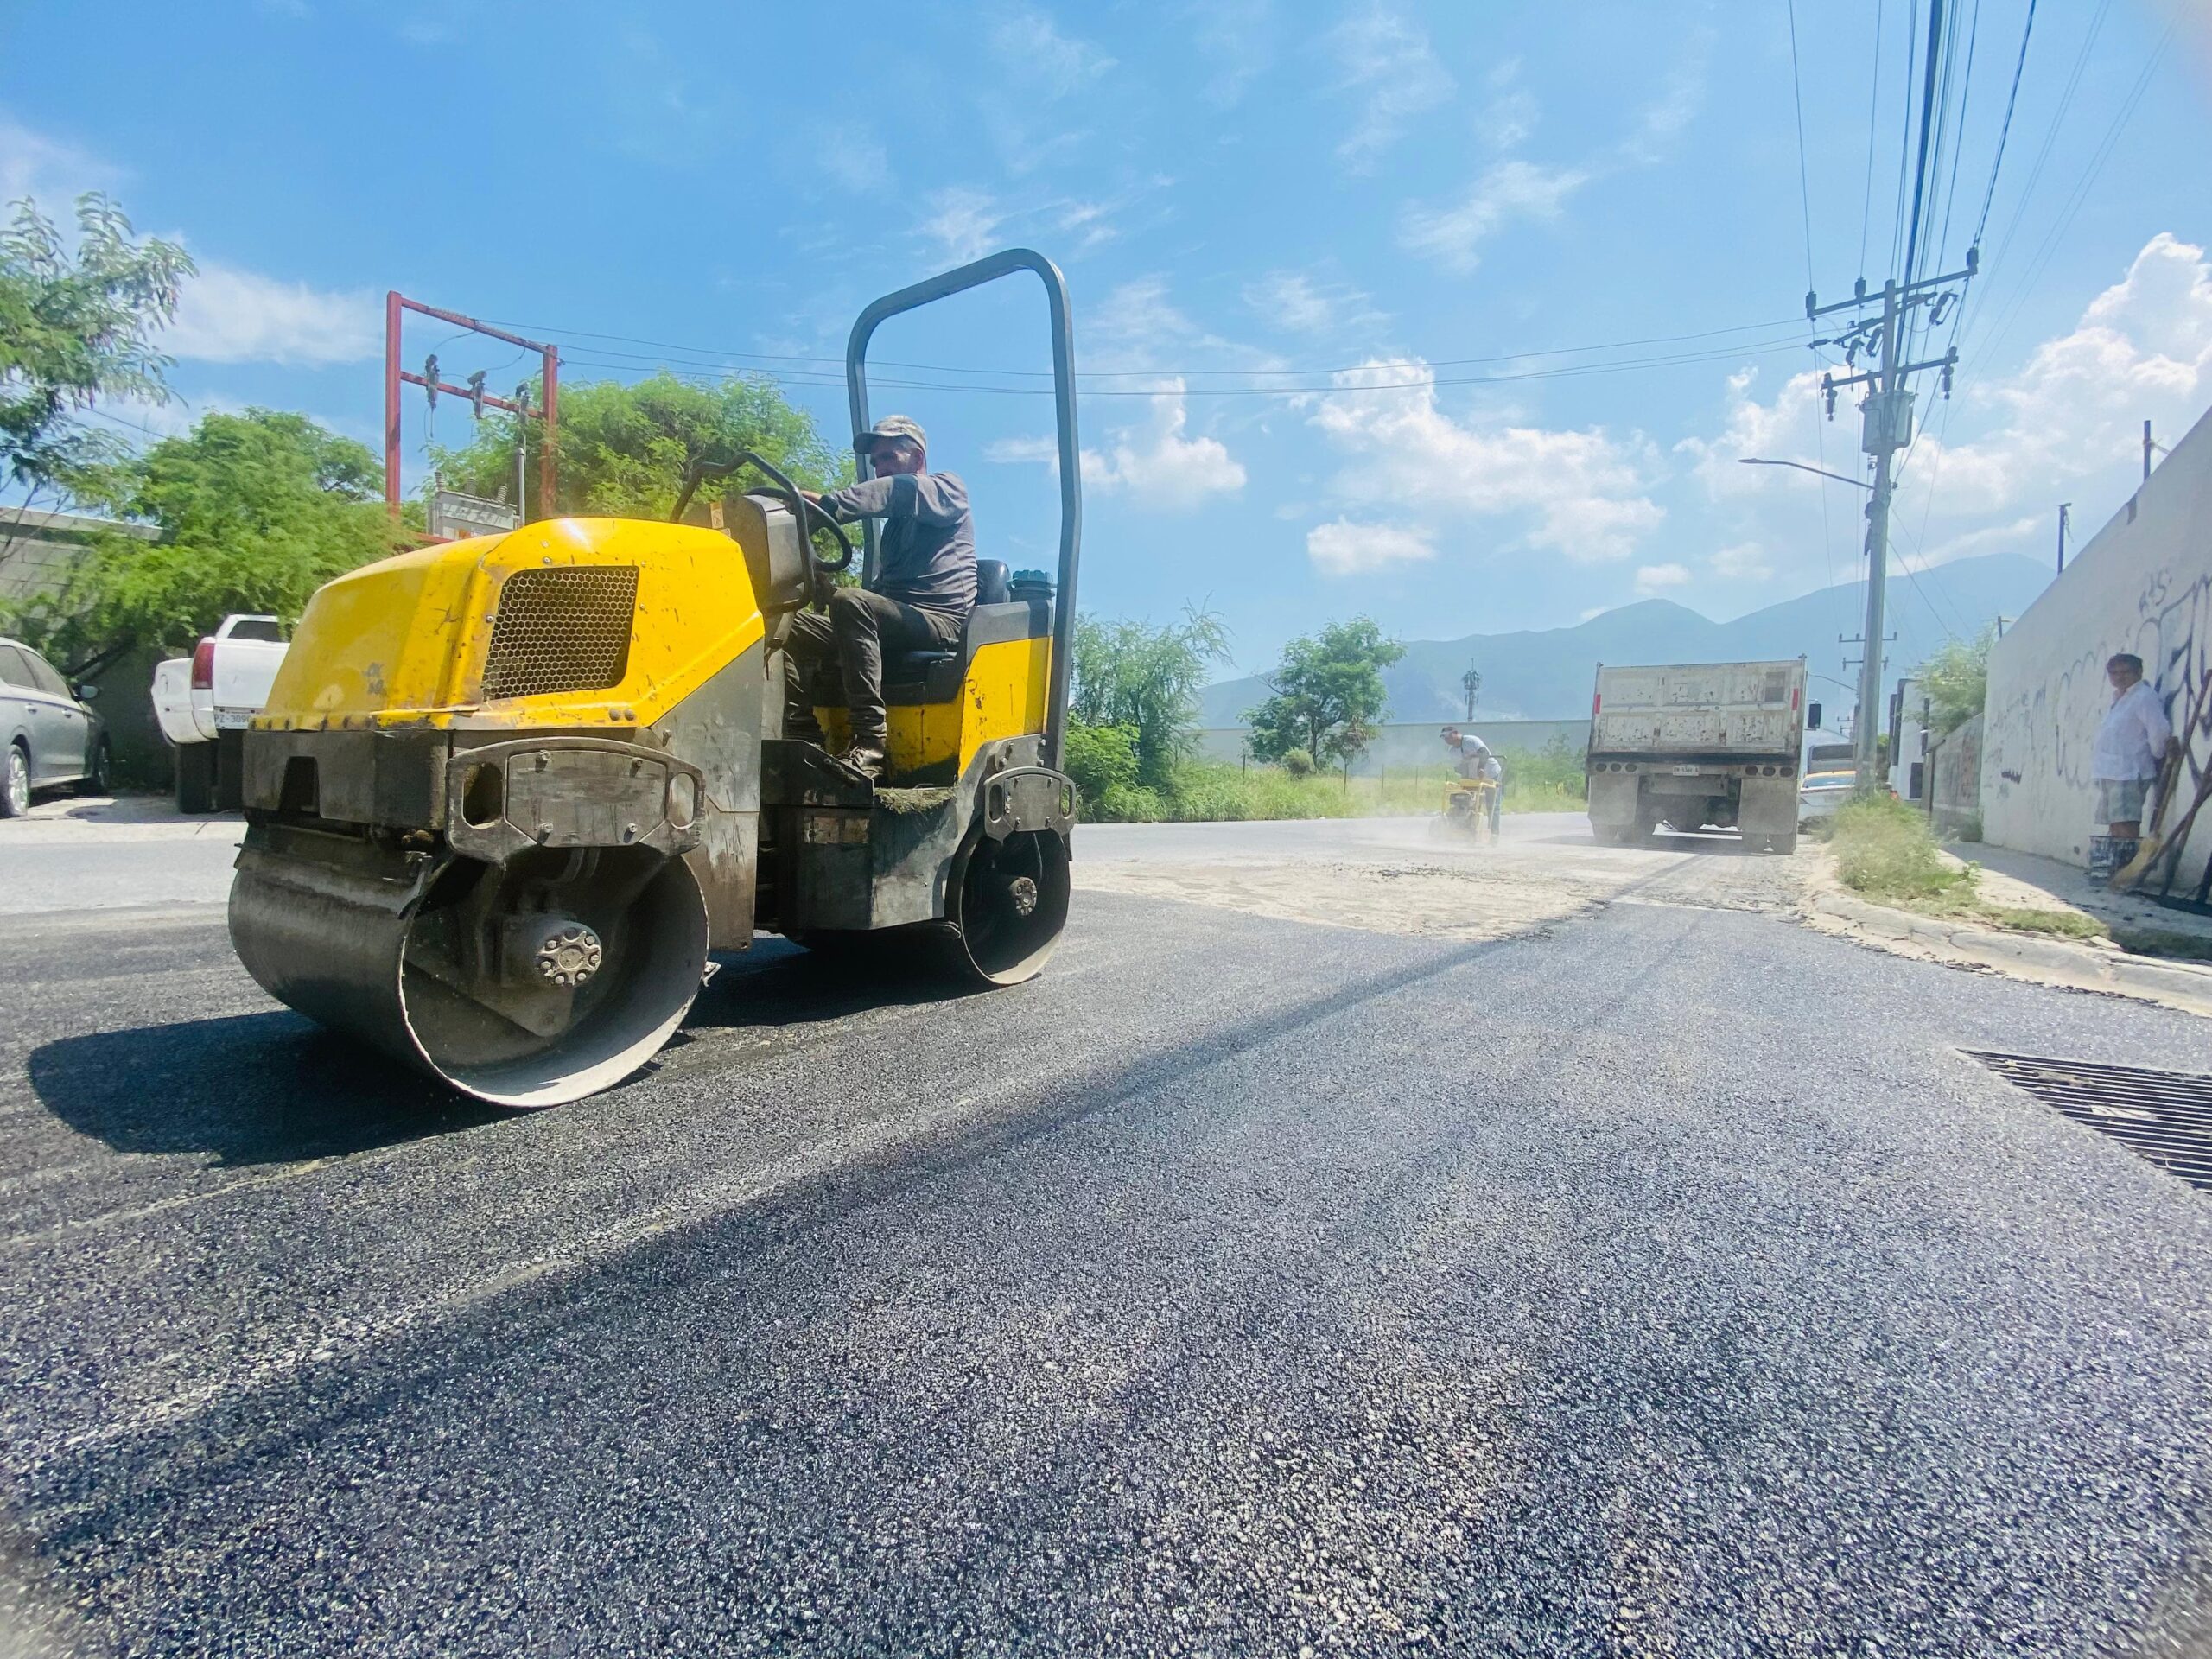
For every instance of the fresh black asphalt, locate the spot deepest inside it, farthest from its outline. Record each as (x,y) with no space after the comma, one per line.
(1664,1283)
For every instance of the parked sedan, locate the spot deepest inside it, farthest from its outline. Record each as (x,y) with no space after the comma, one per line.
(51,737)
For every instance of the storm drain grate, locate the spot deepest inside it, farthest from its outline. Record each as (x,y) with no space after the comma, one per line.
(2163,1116)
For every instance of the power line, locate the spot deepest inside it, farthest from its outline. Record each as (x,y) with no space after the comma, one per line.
(2005,131)
(1959,128)
(1904,140)
(1804,185)
(1928,109)
(637,364)
(1873,114)
(2050,135)
(717,355)
(2077,198)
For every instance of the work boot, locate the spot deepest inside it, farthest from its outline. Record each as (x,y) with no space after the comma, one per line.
(804,729)
(865,753)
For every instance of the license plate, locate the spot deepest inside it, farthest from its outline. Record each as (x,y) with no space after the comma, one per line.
(1687,772)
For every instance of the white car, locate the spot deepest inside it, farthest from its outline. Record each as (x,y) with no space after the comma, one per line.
(204,701)
(1829,776)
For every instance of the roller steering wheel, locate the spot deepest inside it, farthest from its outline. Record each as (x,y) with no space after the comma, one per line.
(810,517)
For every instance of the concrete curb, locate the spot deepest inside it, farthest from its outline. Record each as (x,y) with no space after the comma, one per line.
(2051,961)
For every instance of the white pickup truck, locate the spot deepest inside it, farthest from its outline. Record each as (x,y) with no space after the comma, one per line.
(204,701)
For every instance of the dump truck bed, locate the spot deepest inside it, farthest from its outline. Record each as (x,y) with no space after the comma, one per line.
(1699,708)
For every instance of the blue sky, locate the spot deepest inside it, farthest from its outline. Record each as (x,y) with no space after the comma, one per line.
(1400,220)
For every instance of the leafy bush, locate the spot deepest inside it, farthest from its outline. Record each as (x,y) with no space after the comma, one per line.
(1299,764)
(1101,758)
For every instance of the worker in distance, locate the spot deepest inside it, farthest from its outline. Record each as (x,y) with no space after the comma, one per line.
(923,588)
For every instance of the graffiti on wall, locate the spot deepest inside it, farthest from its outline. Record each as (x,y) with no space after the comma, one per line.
(2045,729)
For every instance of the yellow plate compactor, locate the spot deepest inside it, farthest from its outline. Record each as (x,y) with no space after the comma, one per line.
(509,792)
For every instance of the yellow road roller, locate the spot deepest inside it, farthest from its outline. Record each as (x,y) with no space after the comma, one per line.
(508,793)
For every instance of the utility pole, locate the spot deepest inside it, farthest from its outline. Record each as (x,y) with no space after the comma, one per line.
(2065,509)
(1885,427)
(1471,684)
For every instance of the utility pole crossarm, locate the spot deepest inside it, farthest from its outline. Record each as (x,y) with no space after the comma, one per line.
(1903,294)
(1868,377)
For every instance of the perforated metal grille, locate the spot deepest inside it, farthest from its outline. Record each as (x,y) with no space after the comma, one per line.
(566,629)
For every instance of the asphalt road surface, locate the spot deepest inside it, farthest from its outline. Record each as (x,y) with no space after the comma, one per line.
(1660,1278)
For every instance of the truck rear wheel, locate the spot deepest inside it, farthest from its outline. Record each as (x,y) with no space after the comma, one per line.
(195,777)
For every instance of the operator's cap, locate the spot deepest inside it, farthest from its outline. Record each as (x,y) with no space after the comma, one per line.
(893,426)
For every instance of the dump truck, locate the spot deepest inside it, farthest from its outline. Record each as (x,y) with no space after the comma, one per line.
(1691,746)
(508,793)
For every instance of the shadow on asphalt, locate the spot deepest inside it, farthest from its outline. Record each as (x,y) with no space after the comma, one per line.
(778,984)
(250,1089)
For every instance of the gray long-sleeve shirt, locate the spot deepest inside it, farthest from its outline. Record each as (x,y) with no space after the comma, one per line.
(928,547)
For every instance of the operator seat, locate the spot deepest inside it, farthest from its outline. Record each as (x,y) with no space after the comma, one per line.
(915,677)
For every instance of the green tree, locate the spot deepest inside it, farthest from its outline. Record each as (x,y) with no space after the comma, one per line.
(1132,674)
(623,449)
(1956,679)
(1329,695)
(257,510)
(74,329)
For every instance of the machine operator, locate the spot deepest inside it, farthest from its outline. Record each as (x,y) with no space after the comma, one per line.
(1477,763)
(924,589)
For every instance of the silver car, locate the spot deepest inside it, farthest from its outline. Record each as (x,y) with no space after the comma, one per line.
(52,738)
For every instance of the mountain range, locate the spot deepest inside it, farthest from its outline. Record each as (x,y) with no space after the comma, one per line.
(1546,674)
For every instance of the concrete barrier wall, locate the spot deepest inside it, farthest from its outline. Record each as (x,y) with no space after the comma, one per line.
(1952,778)
(1407,747)
(2143,584)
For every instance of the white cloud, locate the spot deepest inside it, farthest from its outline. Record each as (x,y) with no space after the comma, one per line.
(1506,191)
(1162,467)
(1656,578)
(1157,465)
(1745,561)
(854,158)
(1987,473)
(51,171)
(1294,300)
(1681,97)
(2021,535)
(1237,38)
(1031,45)
(1344,548)
(229,315)
(1584,490)
(1138,326)
(963,223)
(1388,63)
(1505,122)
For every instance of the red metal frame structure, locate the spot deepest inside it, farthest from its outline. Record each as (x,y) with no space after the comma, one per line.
(395,305)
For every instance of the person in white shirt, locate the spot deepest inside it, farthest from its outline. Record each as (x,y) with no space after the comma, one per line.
(1477,763)
(2133,741)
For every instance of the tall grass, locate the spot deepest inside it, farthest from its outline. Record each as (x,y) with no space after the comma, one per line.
(1207,792)
(1885,851)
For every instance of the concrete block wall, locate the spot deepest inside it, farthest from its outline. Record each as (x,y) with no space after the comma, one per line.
(2143,584)
(1406,747)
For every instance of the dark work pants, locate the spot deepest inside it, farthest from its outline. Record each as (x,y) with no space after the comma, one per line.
(858,629)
